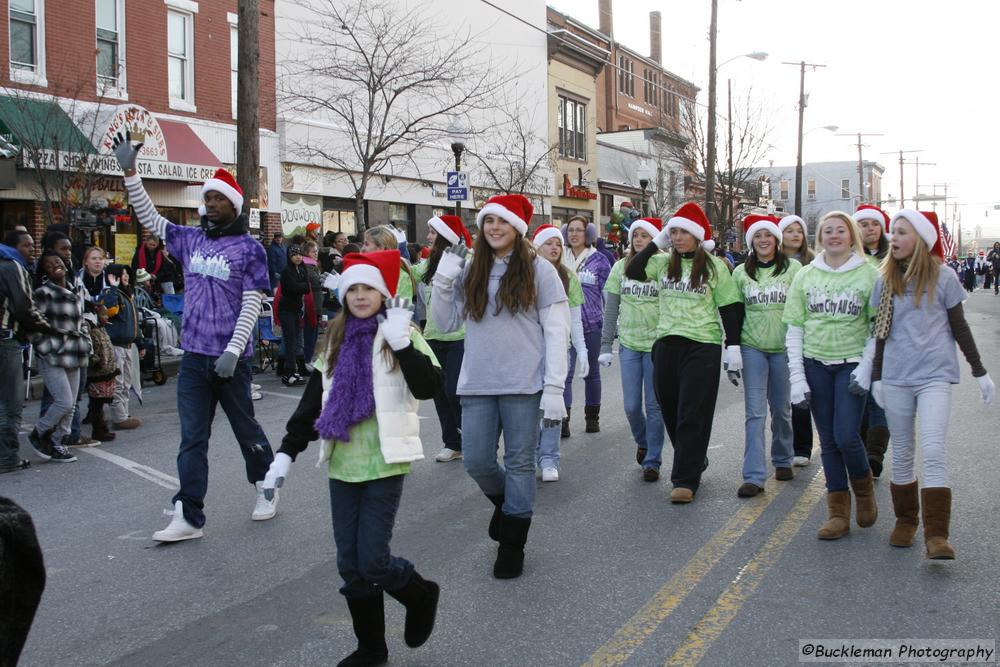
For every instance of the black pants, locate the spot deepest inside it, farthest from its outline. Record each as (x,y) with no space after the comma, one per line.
(802,431)
(291,332)
(447,402)
(686,383)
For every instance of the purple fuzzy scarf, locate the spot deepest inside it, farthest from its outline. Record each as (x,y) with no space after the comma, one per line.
(352,397)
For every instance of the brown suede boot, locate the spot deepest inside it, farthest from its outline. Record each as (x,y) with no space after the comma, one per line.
(936,505)
(592,417)
(875,444)
(838,505)
(864,493)
(906,505)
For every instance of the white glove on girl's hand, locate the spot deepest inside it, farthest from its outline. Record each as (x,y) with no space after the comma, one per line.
(553,409)
(395,324)
(861,379)
(800,394)
(987,388)
(583,363)
(276,474)
(877,394)
(331,281)
(605,360)
(733,363)
(662,240)
(452,261)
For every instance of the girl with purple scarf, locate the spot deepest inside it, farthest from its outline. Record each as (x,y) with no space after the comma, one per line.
(361,402)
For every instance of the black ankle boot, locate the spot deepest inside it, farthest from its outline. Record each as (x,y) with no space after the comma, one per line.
(420,597)
(510,553)
(300,366)
(494,529)
(368,617)
(592,417)
(564,433)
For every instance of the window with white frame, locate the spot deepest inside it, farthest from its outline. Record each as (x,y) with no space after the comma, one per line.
(234,59)
(180,58)
(572,123)
(845,188)
(110,22)
(27,39)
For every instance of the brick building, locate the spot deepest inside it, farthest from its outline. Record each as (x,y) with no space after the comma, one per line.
(167,67)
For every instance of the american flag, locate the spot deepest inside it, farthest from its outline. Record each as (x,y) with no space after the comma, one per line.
(947,241)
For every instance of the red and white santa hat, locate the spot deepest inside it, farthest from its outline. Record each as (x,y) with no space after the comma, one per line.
(870,212)
(925,224)
(224,182)
(452,228)
(379,270)
(754,223)
(791,219)
(544,233)
(692,219)
(651,226)
(515,209)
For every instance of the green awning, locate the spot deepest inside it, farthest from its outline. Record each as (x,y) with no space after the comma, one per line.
(37,124)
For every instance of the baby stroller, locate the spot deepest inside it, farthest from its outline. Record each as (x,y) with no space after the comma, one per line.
(151,363)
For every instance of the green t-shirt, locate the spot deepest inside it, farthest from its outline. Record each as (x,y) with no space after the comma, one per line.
(687,312)
(833,310)
(764,302)
(638,310)
(431,331)
(574,293)
(874,260)
(360,459)
(404,287)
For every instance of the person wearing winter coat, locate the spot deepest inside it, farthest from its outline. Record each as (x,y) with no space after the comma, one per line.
(294,288)
(361,402)
(150,256)
(124,330)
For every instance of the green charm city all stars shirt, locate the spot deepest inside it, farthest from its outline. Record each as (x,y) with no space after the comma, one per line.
(833,308)
(639,309)
(690,312)
(764,303)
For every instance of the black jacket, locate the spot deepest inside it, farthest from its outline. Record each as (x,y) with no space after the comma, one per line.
(294,285)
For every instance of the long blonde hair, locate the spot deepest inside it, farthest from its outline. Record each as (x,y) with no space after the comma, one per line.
(922,270)
(857,247)
(383,237)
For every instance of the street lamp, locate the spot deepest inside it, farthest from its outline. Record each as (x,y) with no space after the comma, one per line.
(457,147)
(643,183)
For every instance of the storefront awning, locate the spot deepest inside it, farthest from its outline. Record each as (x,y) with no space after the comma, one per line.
(185,147)
(35,125)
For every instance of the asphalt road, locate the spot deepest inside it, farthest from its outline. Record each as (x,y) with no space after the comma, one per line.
(614,574)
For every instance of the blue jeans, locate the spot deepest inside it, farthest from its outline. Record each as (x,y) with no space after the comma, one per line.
(548,446)
(11,400)
(364,514)
(484,418)
(74,429)
(591,383)
(447,403)
(765,383)
(637,393)
(876,415)
(199,390)
(837,413)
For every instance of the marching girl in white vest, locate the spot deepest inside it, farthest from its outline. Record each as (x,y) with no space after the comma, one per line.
(361,402)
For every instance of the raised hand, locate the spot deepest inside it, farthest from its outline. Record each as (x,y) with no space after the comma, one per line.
(127,149)
(395,324)
(452,262)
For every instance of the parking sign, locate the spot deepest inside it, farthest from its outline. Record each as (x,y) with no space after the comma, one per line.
(458,185)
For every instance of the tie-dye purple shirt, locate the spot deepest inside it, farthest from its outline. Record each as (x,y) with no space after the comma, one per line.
(216,273)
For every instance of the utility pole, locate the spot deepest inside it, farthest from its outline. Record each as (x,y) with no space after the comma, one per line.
(861,163)
(916,187)
(248,103)
(902,198)
(710,160)
(802,107)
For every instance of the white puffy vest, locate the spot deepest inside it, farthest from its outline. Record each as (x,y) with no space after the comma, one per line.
(395,412)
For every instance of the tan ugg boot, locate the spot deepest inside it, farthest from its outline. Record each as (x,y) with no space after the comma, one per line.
(906,505)
(838,505)
(936,505)
(864,493)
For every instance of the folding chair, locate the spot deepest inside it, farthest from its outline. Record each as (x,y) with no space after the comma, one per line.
(174,303)
(267,340)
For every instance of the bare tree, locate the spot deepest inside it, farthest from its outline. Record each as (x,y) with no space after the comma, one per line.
(512,157)
(746,133)
(56,137)
(383,84)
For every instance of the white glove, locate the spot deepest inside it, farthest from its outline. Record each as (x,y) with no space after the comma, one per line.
(861,376)
(276,474)
(877,393)
(800,394)
(605,360)
(733,363)
(553,409)
(395,324)
(987,388)
(331,281)
(452,262)
(582,362)
(112,279)
(662,240)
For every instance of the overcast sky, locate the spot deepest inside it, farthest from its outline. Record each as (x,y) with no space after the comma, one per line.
(922,73)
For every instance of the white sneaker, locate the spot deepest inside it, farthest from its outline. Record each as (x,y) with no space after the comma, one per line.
(256,395)
(264,509)
(446,455)
(800,461)
(550,474)
(255,387)
(179,529)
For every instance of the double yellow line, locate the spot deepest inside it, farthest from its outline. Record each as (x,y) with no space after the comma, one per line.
(642,624)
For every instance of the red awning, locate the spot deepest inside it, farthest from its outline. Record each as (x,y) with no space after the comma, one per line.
(184,146)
